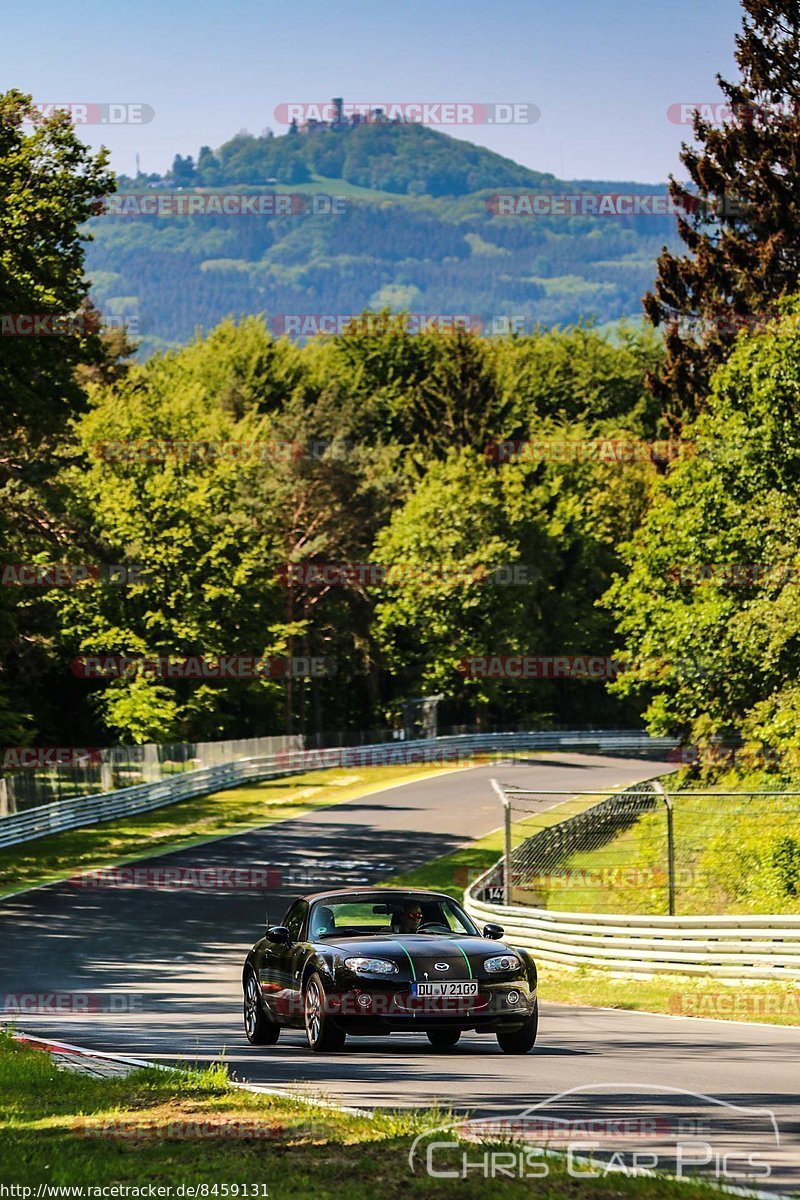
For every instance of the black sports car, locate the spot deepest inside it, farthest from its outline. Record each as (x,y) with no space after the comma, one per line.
(364,961)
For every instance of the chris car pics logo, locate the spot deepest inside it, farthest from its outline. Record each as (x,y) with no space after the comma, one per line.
(598,1131)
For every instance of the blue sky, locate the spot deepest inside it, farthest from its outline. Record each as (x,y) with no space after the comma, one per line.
(603,75)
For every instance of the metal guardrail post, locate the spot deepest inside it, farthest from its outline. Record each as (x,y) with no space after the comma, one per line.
(659,790)
(506,839)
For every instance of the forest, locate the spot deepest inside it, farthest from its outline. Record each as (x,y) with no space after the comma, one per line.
(562,526)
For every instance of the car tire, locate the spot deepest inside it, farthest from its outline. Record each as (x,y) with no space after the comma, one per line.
(520,1041)
(258,1028)
(322,1033)
(443,1039)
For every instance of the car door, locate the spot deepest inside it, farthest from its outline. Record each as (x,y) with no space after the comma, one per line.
(296,954)
(288,964)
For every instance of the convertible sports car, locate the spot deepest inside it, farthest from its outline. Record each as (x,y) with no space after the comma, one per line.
(363,961)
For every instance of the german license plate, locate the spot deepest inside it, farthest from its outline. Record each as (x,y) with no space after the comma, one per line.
(467,988)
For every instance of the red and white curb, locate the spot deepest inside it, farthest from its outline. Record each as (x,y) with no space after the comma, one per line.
(87,1062)
(70,1057)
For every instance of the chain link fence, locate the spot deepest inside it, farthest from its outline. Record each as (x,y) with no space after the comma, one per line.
(647,851)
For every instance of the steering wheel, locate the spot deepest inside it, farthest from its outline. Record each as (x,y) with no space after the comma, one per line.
(432,926)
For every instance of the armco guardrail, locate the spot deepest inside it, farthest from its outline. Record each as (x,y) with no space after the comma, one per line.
(740,947)
(725,947)
(88,810)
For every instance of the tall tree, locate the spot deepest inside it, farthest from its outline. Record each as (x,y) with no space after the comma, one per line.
(741,219)
(707,608)
(49,186)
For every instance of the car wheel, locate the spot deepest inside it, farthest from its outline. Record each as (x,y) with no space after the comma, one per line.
(257,1026)
(443,1039)
(321,1031)
(520,1041)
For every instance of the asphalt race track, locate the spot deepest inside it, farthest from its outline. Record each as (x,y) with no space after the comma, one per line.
(159,971)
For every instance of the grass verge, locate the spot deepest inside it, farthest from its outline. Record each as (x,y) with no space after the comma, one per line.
(189,1127)
(678,995)
(192,823)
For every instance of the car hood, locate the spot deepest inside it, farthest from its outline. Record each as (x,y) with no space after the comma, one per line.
(423,949)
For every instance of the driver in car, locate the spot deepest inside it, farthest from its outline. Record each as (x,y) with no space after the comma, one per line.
(411,917)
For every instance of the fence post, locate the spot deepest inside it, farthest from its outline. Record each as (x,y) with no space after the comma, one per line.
(659,790)
(506,839)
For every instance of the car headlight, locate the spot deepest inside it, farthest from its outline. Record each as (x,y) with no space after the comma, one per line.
(503,962)
(371,966)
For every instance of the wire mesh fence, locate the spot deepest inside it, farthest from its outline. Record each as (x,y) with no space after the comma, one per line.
(644,851)
(35,781)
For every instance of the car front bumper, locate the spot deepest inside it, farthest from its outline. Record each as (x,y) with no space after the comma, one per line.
(370,1009)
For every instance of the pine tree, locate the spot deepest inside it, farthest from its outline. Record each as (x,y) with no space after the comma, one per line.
(740,214)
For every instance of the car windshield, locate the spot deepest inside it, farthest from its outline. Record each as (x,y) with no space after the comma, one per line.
(360,916)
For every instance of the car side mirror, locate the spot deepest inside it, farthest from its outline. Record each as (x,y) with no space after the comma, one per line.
(279,934)
(495,932)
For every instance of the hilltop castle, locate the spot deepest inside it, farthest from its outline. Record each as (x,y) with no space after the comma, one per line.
(361,114)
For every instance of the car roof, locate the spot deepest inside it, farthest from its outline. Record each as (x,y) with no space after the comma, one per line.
(389,893)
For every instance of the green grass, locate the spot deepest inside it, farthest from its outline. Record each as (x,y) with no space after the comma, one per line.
(678,995)
(303,1150)
(192,822)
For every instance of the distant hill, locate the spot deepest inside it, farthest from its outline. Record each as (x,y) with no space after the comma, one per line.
(419,230)
(408,160)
